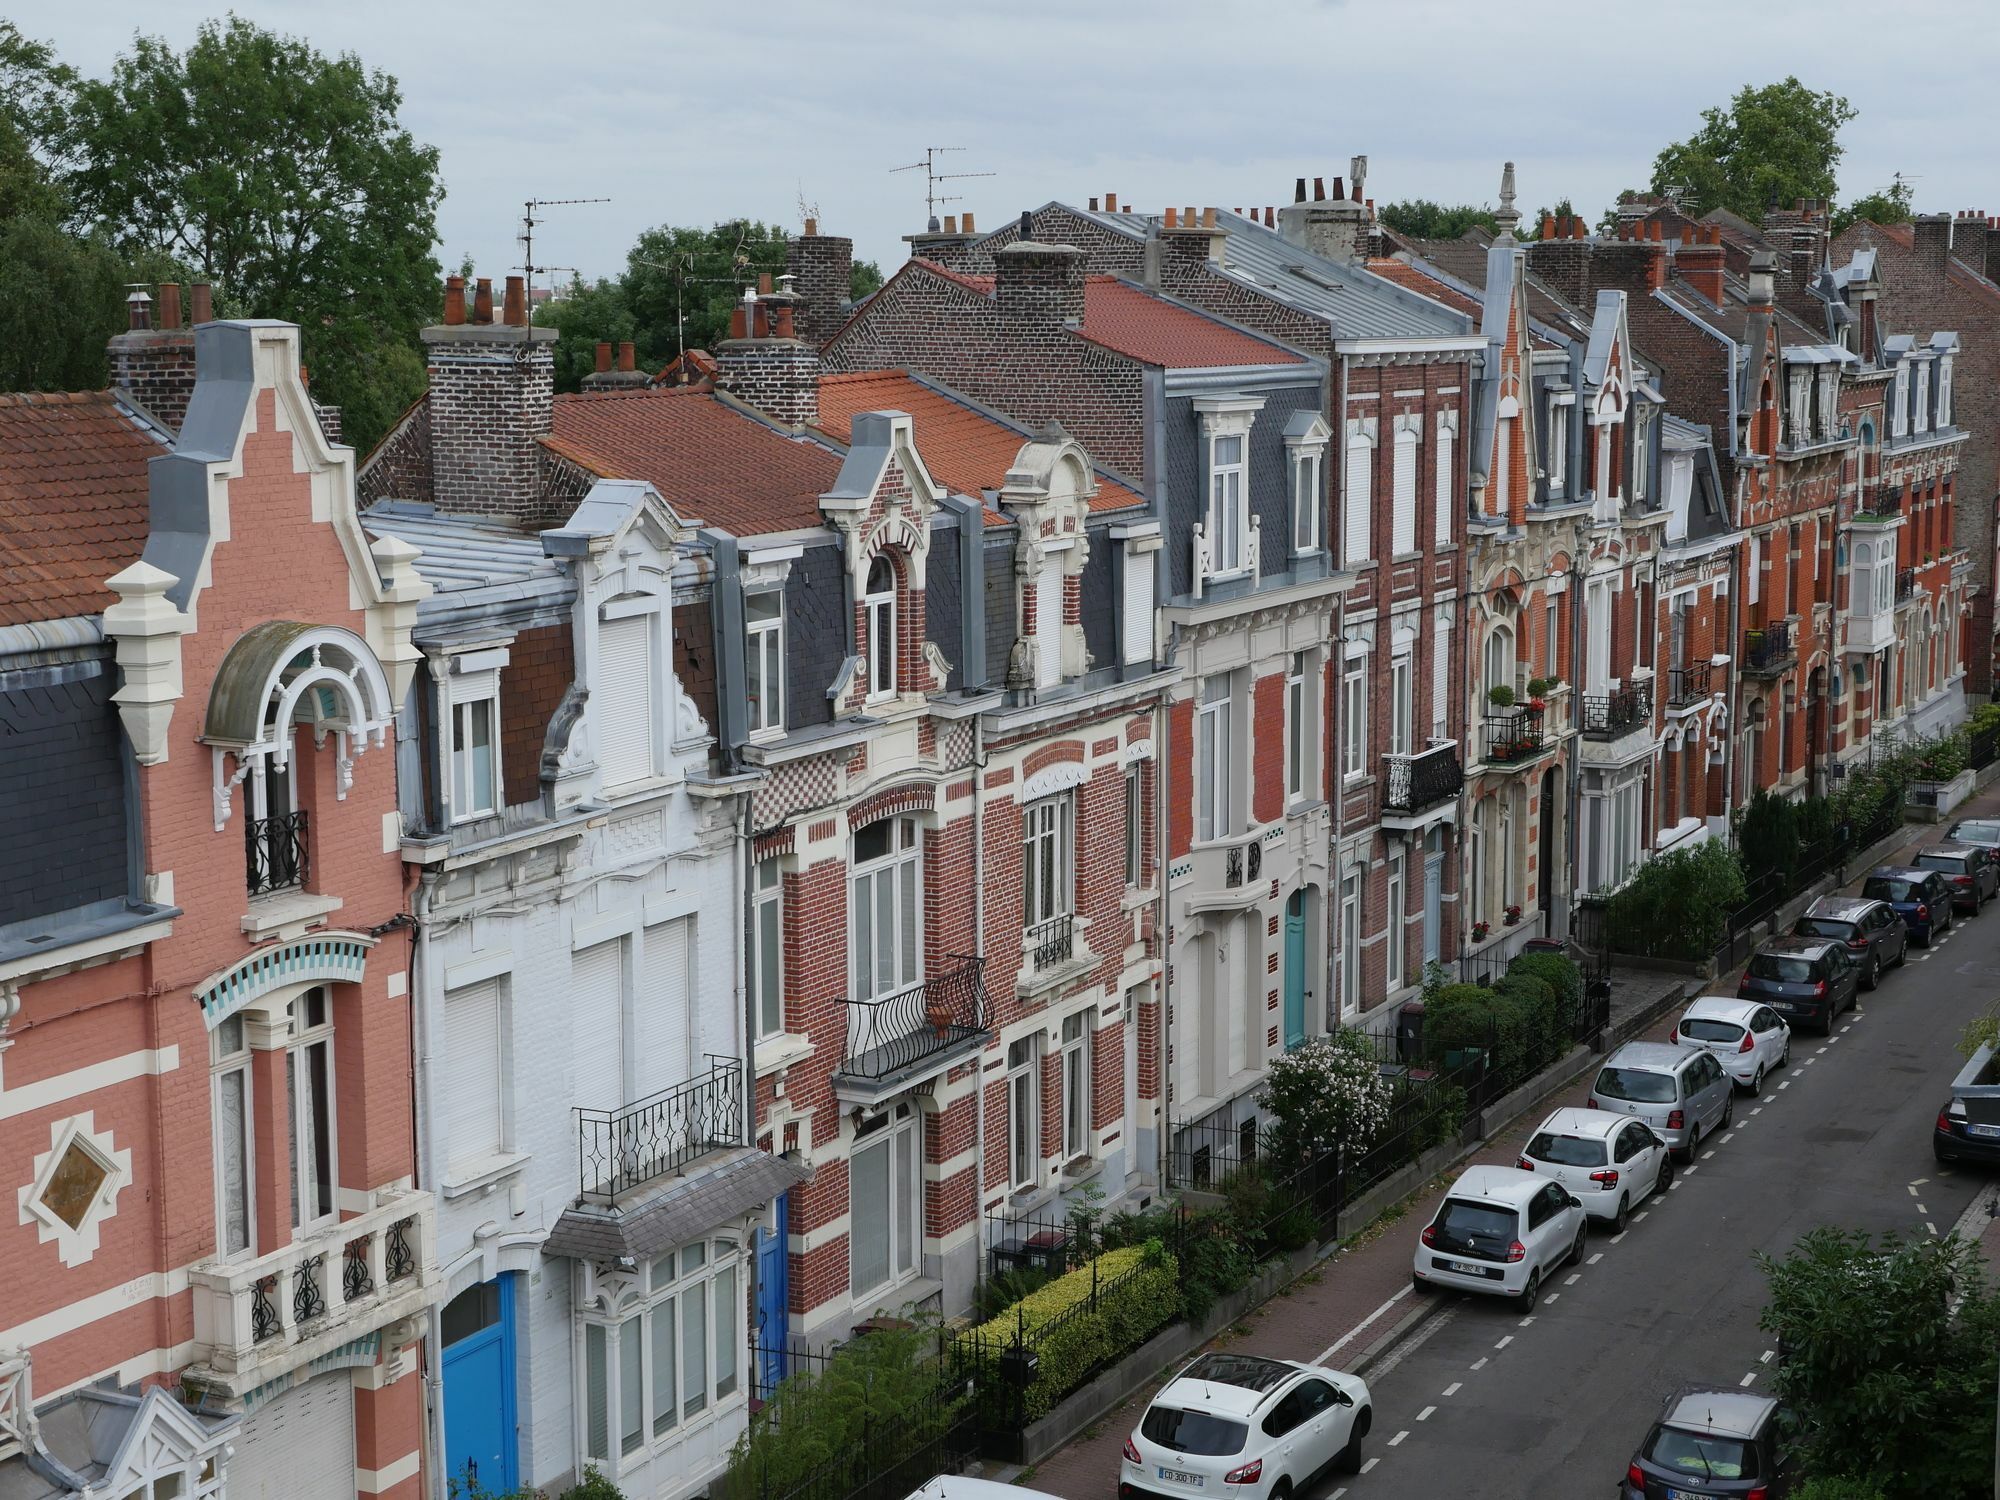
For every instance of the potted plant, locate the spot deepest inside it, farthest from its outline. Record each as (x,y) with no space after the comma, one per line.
(1500,695)
(1538,687)
(937,1011)
(1479,931)
(1512,915)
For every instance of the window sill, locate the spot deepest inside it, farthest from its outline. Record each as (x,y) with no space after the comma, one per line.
(287,914)
(481,1176)
(1079,1170)
(890,1301)
(773,1054)
(1036,982)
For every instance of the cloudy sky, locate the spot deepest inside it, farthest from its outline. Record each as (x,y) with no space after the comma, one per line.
(691,114)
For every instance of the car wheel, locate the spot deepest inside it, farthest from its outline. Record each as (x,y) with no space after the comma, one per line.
(1618,1219)
(1903,953)
(1532,1292)
(1282,1490)
(1757,1083)
(1872,975)
(1693,1143)
(1665,1178)
(1349,1461)
(1728,1110)
(1581,1248)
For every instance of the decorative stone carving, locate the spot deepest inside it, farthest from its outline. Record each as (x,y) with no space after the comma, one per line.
(146,630)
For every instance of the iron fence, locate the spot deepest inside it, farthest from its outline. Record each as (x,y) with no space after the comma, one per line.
(1608,715)
(618,1151)
(1414,783)
(1514,737)
(1768,649)
(274,852)
(1051,942)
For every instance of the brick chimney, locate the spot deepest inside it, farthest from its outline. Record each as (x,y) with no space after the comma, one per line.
(1335,226)
(492,390)
(621,373)
(1699,264)
(949,243)
(1040,285)
(1986,238)
(1933,239)
(764,363)
(821,267)
(153,366)
(1188,241)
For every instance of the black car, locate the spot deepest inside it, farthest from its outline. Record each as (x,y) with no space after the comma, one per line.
(1922,898)
(1872,931)
(1712,1443)
(1971,871)
(1807,980)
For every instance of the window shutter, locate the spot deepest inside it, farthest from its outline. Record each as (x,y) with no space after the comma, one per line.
(1048,620)
(1440,677)
(1756,565)
(472,1073)
(595,1027)
(1447,440)
(1405,536)
(663,1053)
(1360,488)
(1138,635)
(624,692)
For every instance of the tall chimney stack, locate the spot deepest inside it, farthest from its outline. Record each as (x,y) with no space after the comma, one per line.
(492,393)
(822,271)
(766,364)
(151,367)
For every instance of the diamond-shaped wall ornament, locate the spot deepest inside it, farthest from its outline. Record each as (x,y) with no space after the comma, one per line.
(75,1187)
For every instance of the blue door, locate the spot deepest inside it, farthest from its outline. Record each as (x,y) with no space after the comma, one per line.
(773,1286)
(1295,970)
(479,1389)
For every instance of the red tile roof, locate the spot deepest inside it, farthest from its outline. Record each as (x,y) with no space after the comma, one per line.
(1411,279)
(73,506)
(707,459)
(966,450)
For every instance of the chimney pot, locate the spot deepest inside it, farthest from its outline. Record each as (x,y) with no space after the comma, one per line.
(1173,218)
(1354,193)
(1270,217)
(812,228)
(139,310)
(482,300)
(965,222)
(1338,191)
(1319,189)
(305,377)
(781,321)
(603,356)
(1208,218)
(454,300)
(1111,203)
(1093,205)
(763,283)
(514,312)
(201,303)
(628,355)
(1548,226)
(170,304)
(951,223)
(737,328)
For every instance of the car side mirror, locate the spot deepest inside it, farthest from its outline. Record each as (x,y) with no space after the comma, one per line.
(1342,1398)
(1574,1201)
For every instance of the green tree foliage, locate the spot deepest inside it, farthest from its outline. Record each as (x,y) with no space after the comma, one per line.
(1890,206)
(1767,838)
(1422,219)
(1894,1383)
(1677,906)
(1779,141)
(284,176)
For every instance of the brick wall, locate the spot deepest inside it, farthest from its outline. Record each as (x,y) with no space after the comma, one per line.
(155,366)
(400,466)
(492,389)
(540,667)
(822,268)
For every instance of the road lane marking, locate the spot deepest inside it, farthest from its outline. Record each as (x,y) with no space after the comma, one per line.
(1595,1258)
(1917,1182)
(1765,1357)
(1710,1151)
(1522,1324)
(1832,1042)
(1552,1296)
(1758,1110)
(1813,1059)
(1338,1493)
(1399,1437)
(1689,1170)
(1822,1049)
(1640,1215)
(1924,1211)
(1930,1226)
(1505,1342)
(1348,1337)
(1479,1363)
(1425,1414)
(1788,1082)
(1371,1463)
(1619,1236)
(1453,1388)
(1748,1378)
(1573,1278)
(1912,1190)
(1674,1184)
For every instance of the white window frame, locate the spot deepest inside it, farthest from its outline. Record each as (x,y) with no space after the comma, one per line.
(1920,408)
(1076,1059)
(1828,401)
(903,1220)
(1899,415)
(1402,697)
(1444,463)
(302,1039)
(1642,454)
(1308,465)
(878,607)
(1357,484)
(1135,841)
(1354,716)
(1397,926)
(902,869)
(469,695)
(1944,391)
(1047,624)
(1403,485)
(1350,941)
(1215,757)
(1477,844)
(1559,414)
(1552,633)
(1298,727)
(1498,657)
(1024,1113)
(1048,859)
(767,946)
(229,1057)
(1227,506)
(764,660)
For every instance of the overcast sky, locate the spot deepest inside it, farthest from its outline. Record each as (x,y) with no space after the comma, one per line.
(691,114)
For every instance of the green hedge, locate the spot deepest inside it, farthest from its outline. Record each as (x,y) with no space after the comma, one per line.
(1678,905)
(1138,1291)
(1557,972)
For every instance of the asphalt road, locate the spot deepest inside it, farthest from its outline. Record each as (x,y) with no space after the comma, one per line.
(1480,1401)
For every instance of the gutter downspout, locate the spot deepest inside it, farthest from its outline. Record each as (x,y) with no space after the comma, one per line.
(420,1017)
(979,947)
(1337,765)
(1164,860)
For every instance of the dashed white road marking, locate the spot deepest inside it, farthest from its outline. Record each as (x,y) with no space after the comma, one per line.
(1348,1337)
(1595,1258)
(1688,1171)
(1831,1042)
(1505,1342)
(1480,1363)
(1425,1414)
(1338,1493)
(1619,1236)
(1911,1190)
(1766,1356)
(1813,1059)
(1522,1324)
(1673,1185)
(1931,1227)
(1788,1082)
(1758,1110)
(1551,1296)
(1748,1378)
(1710,1151)
(1924,1211)
(1917,1182)
(1371,1463)
(1573,1278)
(1452,1389)
(1399,1437)
(1640,1215)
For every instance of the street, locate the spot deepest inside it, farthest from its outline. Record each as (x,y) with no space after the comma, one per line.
(1482,1400)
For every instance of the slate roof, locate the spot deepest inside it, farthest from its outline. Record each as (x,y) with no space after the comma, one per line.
(460,552)
(710,1193)
(966,447)
(709,460)
(73,500)
(1904,238)
(1465,261)
(1360,305)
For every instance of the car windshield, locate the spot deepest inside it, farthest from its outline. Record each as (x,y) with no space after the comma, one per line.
(1976,831)
(1702,1457)
(1784,970)
(1193,1431)
(1566,1150)
(1637,1085)
(1703,1030)
(1474,1225)
(1951,863)
(1823,927)
(1888,888)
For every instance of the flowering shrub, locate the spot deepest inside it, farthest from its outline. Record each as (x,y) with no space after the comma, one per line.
(1326,1094)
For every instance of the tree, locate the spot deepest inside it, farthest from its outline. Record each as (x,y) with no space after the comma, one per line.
(1326,1094)
(1895,1387)
(1421,219)
(1890,206)
(283,176)
(1781,141)
(583,317)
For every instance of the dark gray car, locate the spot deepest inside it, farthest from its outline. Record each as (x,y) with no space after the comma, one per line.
(1969,870)
(1712,1443)
(1985,832)
(1875,936)
(1807,980)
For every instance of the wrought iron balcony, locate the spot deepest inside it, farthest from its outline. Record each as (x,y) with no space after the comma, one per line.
(1768,651)
(1514,737)
(1052,943)
(1243,860)
(1882,503)
(274,851)
(1412,784)
(890,1036)
(620,1151)
(1687,686)
(1616,714)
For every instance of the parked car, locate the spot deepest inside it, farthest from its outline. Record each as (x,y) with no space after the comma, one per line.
(1245,1427)
(1972,873)
(1985,832)
(1807,980)
(1500,1231)
(1610,1162)
(1968,1126)
(1921,898)
(1747,1037)
(1712,1443)
(1682,1094)
(1875,935)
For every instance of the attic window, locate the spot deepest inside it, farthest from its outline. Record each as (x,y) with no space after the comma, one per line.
(879,617)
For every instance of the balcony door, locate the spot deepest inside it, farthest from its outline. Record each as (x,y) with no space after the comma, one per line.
(1295,969)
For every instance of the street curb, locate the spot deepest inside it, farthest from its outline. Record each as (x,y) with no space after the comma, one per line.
(1402,1328)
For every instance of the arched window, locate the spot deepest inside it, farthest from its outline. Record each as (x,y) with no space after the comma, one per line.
(1500,657)
(879,611)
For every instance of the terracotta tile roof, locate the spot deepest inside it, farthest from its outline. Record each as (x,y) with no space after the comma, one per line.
(73,506)
(707,459)
(966,449)
(1411,279)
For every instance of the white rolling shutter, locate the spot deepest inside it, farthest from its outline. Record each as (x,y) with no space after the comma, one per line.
(1359,484)
(1048,620)
(1447,438)
(1440,677)
(470,1106)
(298,1446)
(1404,539)
(1138,638)
(660,1009)
(596,1026)
(623,695)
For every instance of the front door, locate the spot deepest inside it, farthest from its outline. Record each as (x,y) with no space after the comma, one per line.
(773,1287)
(479,1389)
(1295,970)
(1546,863)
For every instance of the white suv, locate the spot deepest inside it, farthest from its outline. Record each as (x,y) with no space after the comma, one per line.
(1501,1231)
(1245,1428)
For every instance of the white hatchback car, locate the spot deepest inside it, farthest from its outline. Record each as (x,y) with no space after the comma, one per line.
(1609,1161)
(1501,1231)
(1747,1037)
(1246,1428)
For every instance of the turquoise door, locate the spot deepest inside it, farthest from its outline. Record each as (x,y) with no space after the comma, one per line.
(1295,970)
(479,1389)
(773,1285)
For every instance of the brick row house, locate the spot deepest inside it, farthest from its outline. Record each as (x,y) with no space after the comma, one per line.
(222,1263)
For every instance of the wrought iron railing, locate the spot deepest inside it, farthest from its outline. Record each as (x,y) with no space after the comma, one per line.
(357,1279)
(1514,736)
(274,852)
(888,1035)
(621,1150)
(1612,714)
(1769,648)
(1051,943)
(1412,783)
(1906,584)
(1243,861)
(1688,685)
(309,1290)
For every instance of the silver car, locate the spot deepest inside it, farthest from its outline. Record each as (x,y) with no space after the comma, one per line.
(1682,1093)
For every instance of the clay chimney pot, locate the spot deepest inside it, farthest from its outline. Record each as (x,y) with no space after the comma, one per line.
(1111,203)
(1093,205)
(1208,218)
(201,303)
(482,300)
(603,356)
(736,322)
(1173,218)
(763,283)
(454,299)
(812,228)
(170,304)
(1548,226)
(781,321)
(628,355)
(514,312)
(965,222)
(1338,190)
(1319,189)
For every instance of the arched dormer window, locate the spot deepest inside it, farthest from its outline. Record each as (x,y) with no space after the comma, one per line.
(878,607)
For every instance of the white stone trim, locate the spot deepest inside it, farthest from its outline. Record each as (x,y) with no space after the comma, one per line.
(62,1087)
(75,1245)
(1059,777)
(374,1481)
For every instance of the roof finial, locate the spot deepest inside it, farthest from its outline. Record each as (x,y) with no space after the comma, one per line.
(1508,217)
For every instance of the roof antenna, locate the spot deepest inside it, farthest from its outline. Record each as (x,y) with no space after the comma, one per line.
(526,238)
(932,177)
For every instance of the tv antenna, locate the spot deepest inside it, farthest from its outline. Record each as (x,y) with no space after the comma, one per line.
(933,177)
(526,237)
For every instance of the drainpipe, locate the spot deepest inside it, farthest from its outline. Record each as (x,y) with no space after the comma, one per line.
(420,1019)
(1573,793)
(1164,856)
(979,947)
(1334,903)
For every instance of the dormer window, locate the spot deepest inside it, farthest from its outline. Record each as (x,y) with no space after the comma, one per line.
(475,757)
(1558,459)
(1922,405)
(1798,408)
(764,660)
(1225,504)
(1642,456)
(1829,402)
(1944,392)
(1306,466)
(879,612)
(1899,403)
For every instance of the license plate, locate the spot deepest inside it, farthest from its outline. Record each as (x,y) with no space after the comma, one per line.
(1985,1132)
(1177,1476)
(1688,1495)
(1465,1268)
